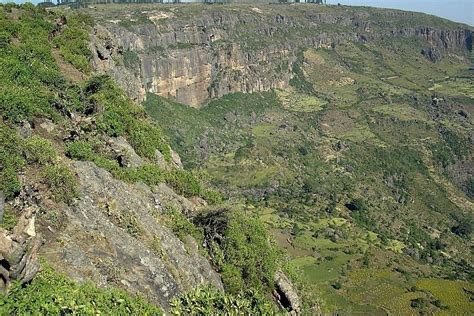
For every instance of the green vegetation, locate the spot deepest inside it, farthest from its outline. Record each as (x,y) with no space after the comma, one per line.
(206,300)
(121,117)
(354,170)
(241,249)
(181,225)
(9,220)
(182,181)
(11,161)
(61,181)
(451,296)
(72,41)
(51,293)
(39,150)
(131,59)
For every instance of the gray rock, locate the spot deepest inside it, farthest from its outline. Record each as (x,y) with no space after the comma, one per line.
(2,205)
(176,159)
(113,235)
(19,251)
(122,148)
(285,292)
(432,54)
(160,160)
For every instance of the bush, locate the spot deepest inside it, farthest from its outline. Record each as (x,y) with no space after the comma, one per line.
(53,294)
(419,302)
(62,183)
(80,150)
(181,226)
(209,301)
(11,161)
(73,42)
(212,197)
(183,182)
(242,250)
(464,228)
(39,150)
(121,117)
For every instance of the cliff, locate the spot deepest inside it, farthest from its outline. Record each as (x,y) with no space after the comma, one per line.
(195,53)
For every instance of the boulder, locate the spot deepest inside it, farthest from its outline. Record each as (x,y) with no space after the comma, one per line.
(19,251)
(125,153)
(286,294)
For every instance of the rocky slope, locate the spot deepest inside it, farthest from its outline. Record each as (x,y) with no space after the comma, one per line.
(113,236)
(195,53)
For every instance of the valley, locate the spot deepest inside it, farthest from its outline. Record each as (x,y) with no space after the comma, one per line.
(193,154)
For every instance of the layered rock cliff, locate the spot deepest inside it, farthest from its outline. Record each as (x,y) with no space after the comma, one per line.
(195,53)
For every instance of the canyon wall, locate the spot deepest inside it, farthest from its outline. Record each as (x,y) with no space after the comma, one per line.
(195,53)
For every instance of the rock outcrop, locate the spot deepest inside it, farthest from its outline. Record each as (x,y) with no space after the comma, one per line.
(286,294)
(193,54)
(113,236)
(19,250)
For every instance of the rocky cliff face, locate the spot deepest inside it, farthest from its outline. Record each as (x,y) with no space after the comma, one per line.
(113,236)
(195,53)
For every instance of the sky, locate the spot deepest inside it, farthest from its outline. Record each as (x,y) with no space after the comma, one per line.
(455,10)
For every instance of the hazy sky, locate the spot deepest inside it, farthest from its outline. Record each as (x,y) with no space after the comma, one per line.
(456,10)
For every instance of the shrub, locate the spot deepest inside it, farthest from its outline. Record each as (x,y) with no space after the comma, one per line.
(121,117)
(51,293)
(73,42)
(9,220)
(61,181)
(149,174)
(212,197)
(80,150)
(11,161)
(464,228)
(183,182)
(241,248)
(209,301)
(336,285)
(180,225)
(21,103)
(39,150)
(419,302)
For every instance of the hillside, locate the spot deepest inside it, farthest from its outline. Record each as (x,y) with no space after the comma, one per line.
(317,159)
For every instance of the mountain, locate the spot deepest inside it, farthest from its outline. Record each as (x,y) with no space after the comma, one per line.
(257,158)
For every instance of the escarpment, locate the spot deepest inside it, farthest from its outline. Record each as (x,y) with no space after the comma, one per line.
(196,53)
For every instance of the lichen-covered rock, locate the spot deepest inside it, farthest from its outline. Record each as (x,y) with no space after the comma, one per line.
(432,54)
(126,154)
(19,251)
(286,293)
(112,236)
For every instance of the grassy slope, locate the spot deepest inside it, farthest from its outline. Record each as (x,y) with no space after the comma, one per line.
(370,135)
